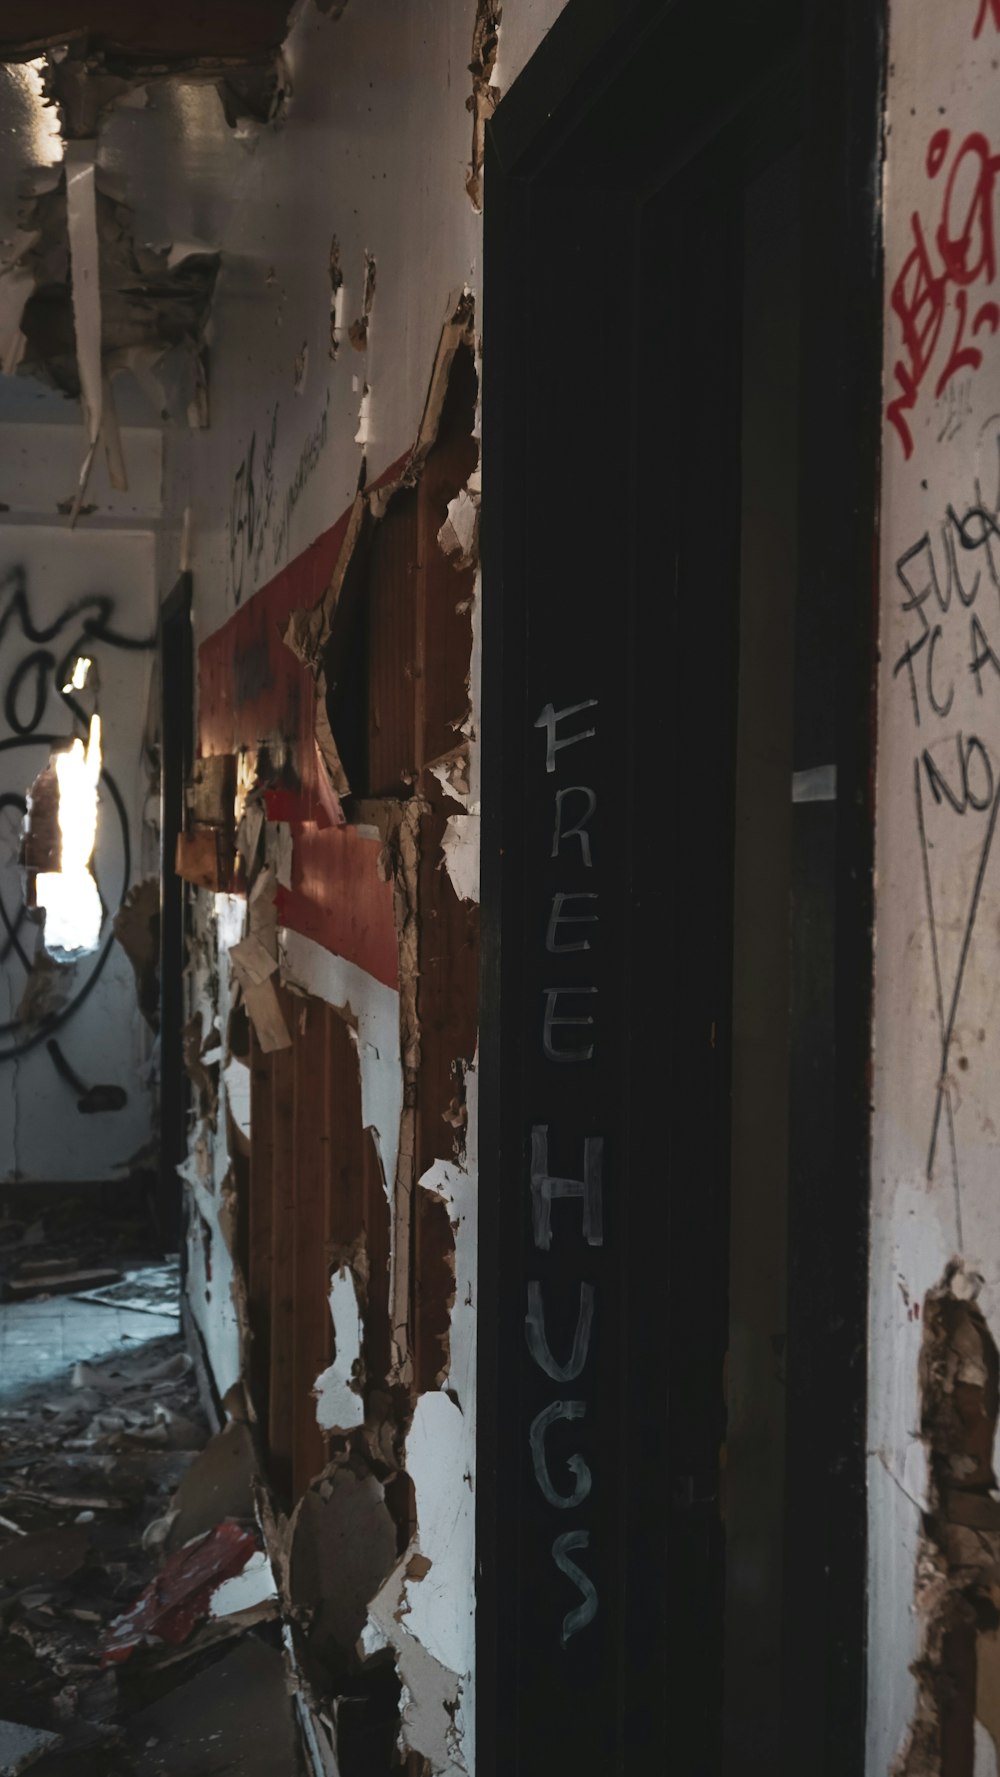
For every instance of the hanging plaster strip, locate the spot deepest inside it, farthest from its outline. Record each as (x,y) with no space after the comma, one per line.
(81,218)
(113,439)
(16,285)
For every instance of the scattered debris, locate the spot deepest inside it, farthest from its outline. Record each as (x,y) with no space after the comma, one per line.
(218,1485)
(154,1290)
(180,1595)
(132,1654)
(43,1555)
(56,1277)
(21,1746)
(234,1717)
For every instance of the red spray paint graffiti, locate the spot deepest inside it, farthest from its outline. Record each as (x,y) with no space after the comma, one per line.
(931,294)
(987,9)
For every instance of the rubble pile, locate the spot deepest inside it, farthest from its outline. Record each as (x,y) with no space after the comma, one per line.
(136,1602)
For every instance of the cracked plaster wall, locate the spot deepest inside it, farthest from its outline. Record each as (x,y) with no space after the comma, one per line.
(936,1214)
(347,230)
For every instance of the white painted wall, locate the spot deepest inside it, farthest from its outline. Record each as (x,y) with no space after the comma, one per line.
(42,1134)
(937,1126)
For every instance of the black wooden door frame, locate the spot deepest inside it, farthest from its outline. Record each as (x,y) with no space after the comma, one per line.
(176,653)
(840,76)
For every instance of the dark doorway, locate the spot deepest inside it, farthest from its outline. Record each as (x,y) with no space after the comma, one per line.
(676,879)
(177,742)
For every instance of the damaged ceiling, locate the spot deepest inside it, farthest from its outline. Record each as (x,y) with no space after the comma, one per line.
(150,305)
(141,37)
(159,103)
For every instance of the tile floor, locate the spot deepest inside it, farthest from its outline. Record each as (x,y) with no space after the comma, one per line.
(40,1341)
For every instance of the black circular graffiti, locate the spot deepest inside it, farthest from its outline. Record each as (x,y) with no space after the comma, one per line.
(14,1039)
(84,623)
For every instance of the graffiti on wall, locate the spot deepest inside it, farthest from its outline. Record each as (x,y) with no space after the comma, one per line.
(947,584)
(567,1036)
(250,504)
(42,711)
(942,297)
(260,510)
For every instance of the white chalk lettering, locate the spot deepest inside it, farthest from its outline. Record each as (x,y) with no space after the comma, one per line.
(554,1019)
(544,1187)
(579,831)
(538,1344)
(576,1465)
(549,720)
(584,1613)
(558,918)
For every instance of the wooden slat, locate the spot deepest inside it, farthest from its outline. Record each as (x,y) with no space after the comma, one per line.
(311,1330)
(356,1199)
(447,1005)
(261,1219)
(316,1187)
(377,1239)
(444,641)
(281,1384)
(345,1203)
(392,664)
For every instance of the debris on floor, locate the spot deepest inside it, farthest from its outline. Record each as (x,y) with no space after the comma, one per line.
(119,1656)
(236,1716)
(155,1289)
(180,1595)
(21,1746)
(56,1277)
(70,1240)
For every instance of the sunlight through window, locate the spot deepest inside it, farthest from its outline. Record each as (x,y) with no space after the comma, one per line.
(73,912)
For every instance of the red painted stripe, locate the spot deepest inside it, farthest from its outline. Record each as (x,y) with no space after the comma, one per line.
(253,693)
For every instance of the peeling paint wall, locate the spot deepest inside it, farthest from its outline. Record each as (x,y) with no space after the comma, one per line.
(77,1055)
(934,1687)
(336,907)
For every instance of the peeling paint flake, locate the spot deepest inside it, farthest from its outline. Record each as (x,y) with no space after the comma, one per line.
(460,847)
(339,1404)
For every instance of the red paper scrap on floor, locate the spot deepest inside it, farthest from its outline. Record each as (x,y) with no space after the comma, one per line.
(178,1599)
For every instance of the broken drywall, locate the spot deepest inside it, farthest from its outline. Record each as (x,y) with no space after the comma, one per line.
(212,1283)
(431,1696)
(343,1543)
(101,303)
(426,1610)
(350,378)
(958,1568)
(485,94)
